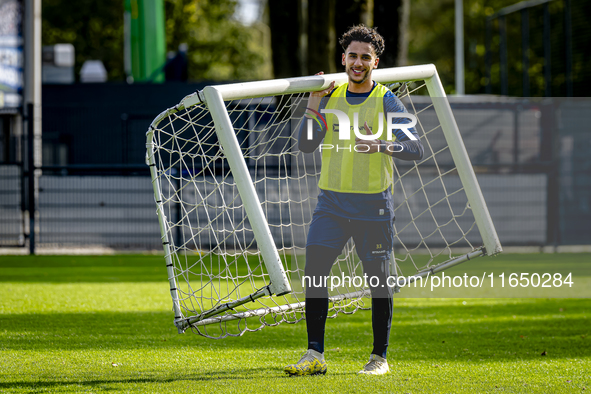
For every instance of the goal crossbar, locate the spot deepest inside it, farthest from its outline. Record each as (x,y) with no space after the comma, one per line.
(275,87)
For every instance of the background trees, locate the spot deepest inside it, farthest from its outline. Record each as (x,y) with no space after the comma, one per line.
(220,47)
(299,37)
(95,28)
(305,33)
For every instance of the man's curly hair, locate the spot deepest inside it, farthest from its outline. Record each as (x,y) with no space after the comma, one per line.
(364,34)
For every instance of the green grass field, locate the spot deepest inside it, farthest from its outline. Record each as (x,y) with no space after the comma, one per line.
(105,324)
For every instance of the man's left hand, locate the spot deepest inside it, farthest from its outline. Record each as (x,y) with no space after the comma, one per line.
(368,146)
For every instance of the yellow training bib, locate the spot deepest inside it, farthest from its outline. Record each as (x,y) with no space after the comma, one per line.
(344,169)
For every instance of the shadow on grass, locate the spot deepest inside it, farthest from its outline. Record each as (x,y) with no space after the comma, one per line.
(77,269)
(245,374)
(505,330)
(107,269)
(151,268)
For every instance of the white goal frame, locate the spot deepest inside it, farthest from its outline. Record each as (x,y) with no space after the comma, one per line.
(214,96)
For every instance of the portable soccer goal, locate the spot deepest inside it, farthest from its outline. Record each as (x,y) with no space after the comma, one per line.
(234,199)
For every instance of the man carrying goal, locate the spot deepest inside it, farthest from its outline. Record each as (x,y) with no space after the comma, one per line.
(355,197)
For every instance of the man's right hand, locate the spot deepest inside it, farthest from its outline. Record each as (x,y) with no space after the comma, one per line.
(315,97)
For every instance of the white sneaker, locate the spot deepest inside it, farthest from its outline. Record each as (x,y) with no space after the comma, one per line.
(376,366)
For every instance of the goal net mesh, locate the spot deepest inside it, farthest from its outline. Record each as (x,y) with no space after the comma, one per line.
(214,254)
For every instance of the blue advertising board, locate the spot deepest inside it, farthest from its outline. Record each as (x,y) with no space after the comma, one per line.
(11,55)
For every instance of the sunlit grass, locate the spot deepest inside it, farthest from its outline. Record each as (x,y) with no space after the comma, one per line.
(76,324)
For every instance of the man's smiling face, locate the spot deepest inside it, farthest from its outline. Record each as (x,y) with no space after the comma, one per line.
(359,61)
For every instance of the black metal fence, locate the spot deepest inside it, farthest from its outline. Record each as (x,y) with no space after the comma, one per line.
(82,206)
(12,224)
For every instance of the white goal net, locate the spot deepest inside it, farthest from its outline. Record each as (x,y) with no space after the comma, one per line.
(235,198)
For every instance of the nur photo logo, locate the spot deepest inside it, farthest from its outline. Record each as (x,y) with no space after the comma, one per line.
(345,125)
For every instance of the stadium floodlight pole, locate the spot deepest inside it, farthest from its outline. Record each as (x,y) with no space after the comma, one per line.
(279,283)
(460,48)
(32,103)
(466,173)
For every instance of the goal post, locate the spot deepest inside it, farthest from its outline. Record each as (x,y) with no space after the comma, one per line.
(279,283)
(492,245)
(234,198)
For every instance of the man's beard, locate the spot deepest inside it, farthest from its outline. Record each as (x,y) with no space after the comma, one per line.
(365,77)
